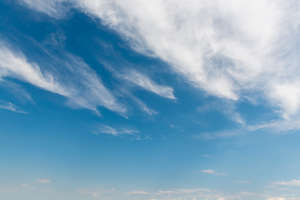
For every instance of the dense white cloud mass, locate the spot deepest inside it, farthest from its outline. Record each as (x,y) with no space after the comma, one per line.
(227,48)
(224,47)
(78,82)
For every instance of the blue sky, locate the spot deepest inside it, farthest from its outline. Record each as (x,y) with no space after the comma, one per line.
(149,100)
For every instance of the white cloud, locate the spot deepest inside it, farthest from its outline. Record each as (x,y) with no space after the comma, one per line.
(138,192)
(220,134)
(226,48)
(97,193)
(196,194)
(26,187)
(276,198)
(294,183)
(211,172)
(11,107)
(144,107)
(206,41)
(87,88)
(180,194)
(225,107)
(16,90)
(14,64)
(54,8)
(208,171)
(71,77)
(43,181)
(146,83)
(104,129)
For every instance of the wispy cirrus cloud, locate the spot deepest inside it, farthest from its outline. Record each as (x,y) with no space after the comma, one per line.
(225,107)
(14,64)
(54,8)
(212,172)
(105,129)
(280,126)
(68,76)
(16,90)
(228,49)
(146,83)
(143,106)
(11,107)
(291,183)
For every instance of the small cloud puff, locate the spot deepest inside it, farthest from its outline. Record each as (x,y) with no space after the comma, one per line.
(43,181)
(211,172)
(105,129)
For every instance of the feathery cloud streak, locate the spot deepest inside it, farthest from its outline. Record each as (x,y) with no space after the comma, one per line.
(77,81)
(10,107)
(105,129)
(148,84)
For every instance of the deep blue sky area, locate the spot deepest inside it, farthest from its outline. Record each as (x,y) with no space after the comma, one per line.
(147,100)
